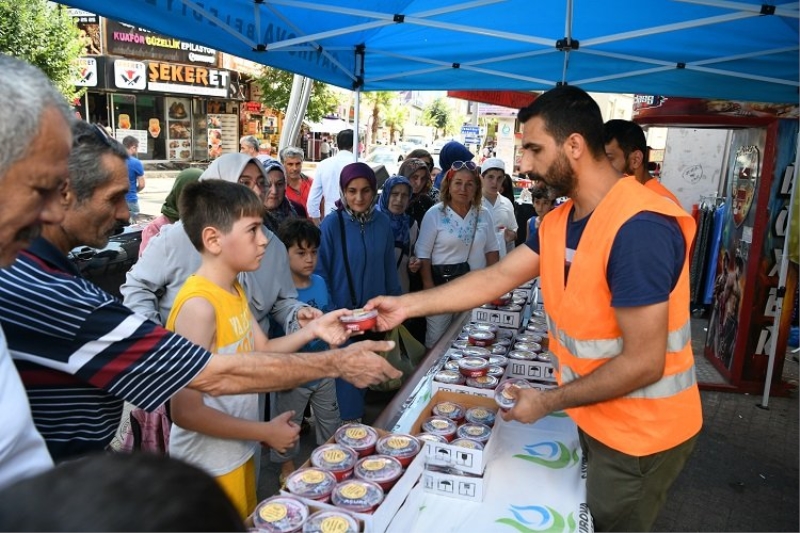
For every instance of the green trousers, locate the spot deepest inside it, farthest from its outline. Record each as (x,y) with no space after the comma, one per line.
(625,492)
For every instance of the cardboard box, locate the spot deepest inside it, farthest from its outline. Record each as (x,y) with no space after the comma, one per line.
(460,389)
(504,319)
(438,454)
(379,520)
(532,370)
(464,487)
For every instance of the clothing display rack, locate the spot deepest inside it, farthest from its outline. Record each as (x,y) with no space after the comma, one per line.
(709,215)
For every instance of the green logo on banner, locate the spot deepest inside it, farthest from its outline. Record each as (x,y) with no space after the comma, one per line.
(537,519)
(550,454)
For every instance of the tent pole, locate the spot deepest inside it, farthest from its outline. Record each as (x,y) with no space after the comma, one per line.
(356,130)
(292,114)
(781,291)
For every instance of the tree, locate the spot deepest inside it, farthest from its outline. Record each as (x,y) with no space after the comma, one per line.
(439,115)
(394,118)
(380,101)
(44,35)
(276,87)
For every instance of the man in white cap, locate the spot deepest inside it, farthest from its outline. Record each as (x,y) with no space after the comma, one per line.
(493,171)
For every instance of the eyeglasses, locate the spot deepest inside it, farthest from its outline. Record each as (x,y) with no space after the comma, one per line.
(101,134)
(469,165)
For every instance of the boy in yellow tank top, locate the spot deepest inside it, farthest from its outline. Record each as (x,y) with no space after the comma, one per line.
(221,434)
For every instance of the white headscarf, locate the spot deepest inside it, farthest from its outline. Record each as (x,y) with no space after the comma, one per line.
(229,167)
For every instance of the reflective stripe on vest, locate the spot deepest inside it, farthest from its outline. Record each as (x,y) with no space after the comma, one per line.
(663,388)
(607,348)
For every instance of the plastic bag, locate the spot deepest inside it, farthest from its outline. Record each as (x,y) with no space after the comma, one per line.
(405,356)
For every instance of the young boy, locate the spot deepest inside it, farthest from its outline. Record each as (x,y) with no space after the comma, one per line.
(221,434)
(542,204)
(302,239)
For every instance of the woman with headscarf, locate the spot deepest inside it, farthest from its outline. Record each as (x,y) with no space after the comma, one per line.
(277,206)
(357,260)
(169,209)
(418,173)
(393,202)
(450,153)
(455,231)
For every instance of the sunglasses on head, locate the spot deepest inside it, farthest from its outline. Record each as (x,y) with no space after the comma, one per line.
(458,165)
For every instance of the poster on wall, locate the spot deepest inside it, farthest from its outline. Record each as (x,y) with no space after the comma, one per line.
(179,128)
(214,136)
(223,134)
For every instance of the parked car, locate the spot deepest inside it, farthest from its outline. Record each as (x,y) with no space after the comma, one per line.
(106,267)
(387,158)
(437,145)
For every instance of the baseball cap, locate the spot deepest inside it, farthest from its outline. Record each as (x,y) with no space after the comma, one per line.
(493,162)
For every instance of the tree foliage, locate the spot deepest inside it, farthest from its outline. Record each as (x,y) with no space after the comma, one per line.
(44,35)
(439,115)
(276,87)
(395,117)
(378,102)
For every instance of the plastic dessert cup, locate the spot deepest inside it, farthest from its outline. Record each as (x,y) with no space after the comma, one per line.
(360,320)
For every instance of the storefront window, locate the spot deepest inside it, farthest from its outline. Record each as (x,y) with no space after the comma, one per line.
(143,115)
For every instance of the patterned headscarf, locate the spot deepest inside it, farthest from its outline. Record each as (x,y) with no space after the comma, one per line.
(401,223)
(273,218)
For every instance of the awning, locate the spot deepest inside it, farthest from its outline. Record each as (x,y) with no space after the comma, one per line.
(329,125)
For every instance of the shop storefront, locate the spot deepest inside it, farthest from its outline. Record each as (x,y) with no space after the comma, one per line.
(166,92)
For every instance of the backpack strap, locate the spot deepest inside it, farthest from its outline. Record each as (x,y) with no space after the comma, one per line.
(346,261)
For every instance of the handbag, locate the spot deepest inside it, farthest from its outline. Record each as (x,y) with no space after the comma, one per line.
(446,273)
(405,356)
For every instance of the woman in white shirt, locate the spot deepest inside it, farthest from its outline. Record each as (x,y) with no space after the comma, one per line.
(455,231)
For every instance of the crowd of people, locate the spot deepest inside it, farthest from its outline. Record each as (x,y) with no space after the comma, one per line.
(245,275)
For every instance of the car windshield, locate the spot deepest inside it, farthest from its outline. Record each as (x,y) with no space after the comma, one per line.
(383,157)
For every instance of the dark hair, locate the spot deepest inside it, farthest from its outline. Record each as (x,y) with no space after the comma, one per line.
(87,170)
(418,153)
(118,492)
(344,140)
(299,231)
(629,137)
(130,141)
(216,203)
(508,188)
(566,110)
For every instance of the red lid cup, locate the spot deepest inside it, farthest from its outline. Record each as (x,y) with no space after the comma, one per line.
(360,437)
(485,382)
(430,437)
(280,514)
(448,376)
(330,522)
(503,299)
(312,483)
(337,459)
(467,443)
(481,415)
(380,469)
(503,397)
(357,496)
(450,410)
(441,426)
(478,432)
(400,446)
(360,320)
(473,367)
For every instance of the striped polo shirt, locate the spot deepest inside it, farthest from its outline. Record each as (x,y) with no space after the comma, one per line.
(81,353)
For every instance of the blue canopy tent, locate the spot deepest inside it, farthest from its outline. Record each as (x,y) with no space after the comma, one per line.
(739,50)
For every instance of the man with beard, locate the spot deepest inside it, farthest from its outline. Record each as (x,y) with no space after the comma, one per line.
(626,149)
(81,353)
(614,276)
(34,147)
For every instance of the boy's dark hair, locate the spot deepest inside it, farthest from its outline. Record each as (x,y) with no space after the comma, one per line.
(129,141)
(215,203)
(566,110)
(344,140)
(299,231)
(118,492)
(629,137)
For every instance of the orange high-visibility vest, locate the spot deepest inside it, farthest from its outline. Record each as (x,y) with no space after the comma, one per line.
(658,187)
(584,333)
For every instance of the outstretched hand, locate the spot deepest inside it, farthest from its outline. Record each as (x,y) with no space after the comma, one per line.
(360,365)
(329,327)
(306,314)
(391,312)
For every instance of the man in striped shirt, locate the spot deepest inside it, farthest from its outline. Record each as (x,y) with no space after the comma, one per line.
(81,353)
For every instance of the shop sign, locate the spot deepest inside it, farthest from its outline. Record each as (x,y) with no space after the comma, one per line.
(128,40)
(130,74)
(87,72)
(645,105)
(253,107)
(81,16)
(188,79)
